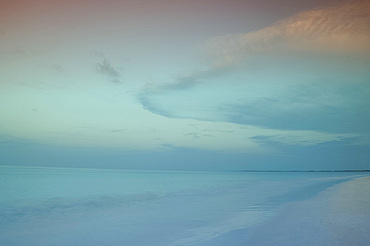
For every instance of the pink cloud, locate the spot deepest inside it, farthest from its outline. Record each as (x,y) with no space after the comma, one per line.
(339,29)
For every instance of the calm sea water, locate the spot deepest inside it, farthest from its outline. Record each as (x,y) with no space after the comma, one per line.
(55,206)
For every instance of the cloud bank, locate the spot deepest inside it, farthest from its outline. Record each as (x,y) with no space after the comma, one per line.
(307,72)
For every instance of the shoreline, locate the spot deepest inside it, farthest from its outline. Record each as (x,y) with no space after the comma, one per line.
(339,215)
(323,219)
(306,171)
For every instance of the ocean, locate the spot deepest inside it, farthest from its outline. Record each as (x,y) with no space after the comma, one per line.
(67,206)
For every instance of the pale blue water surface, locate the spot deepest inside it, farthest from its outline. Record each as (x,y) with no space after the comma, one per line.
(57,206)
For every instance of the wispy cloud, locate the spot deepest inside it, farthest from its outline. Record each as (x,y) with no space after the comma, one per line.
(106,68)
(314,138)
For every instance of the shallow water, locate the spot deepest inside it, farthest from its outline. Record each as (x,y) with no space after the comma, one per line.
(57,206)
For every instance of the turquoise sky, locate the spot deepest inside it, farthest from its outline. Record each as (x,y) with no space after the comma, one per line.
(193,85)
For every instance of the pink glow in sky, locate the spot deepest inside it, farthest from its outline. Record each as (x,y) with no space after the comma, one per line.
(252,82)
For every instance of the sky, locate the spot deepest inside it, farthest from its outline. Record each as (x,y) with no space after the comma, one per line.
(185,85)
